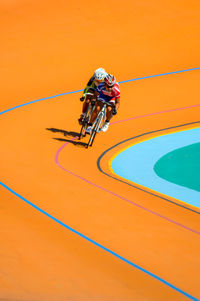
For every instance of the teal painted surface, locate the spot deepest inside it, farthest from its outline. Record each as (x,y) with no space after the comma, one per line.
(181,166)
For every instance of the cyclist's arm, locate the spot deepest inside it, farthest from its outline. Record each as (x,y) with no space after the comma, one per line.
(89,85)
(117,103)
(117,96)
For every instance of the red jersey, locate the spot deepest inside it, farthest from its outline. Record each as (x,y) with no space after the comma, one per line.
(108,95)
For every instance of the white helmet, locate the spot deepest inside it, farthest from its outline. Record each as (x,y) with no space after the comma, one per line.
(100,74)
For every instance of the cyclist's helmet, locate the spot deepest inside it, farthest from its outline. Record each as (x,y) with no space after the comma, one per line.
(100,74)
(110,80)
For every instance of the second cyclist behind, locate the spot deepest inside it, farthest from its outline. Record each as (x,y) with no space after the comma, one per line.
(92,84)
(109,92)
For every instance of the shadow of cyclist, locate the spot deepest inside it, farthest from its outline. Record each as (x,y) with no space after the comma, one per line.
(65,133)
(68,133)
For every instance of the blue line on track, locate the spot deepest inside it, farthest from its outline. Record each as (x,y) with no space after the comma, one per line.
(76,91)
(162,74)
(45,98)
(78,233)
(99,245)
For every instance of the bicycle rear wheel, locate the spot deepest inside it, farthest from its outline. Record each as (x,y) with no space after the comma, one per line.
(86,120)
(83,129)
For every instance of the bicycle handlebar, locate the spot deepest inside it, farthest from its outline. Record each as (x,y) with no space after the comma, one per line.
(106,103)
(114,111)
(88,93)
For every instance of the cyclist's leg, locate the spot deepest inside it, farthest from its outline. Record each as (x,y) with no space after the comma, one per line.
(108,113)
(89,96)
(109,110)
(97,109)
(98,106)
(84,108)
(108,116)
(85,104)
(88,99)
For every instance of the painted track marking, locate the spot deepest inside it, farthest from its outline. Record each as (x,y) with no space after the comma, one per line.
(78,233)
(137,187)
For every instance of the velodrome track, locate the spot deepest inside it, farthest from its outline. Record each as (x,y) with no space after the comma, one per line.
(70,228)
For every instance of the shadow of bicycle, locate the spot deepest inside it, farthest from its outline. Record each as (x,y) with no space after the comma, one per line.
(68,133)
(65,133)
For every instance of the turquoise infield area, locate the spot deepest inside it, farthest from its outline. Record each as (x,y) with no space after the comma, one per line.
(168,164)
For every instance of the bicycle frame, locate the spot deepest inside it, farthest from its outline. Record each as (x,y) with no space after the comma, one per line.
(87,117)
(97,123)
(100,117)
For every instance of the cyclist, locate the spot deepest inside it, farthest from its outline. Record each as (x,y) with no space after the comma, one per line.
(109,92)
(94,81)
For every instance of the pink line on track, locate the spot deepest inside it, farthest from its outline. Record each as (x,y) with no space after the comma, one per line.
(156,113)
(117,195)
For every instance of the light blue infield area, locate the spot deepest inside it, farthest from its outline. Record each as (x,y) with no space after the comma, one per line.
(137,162)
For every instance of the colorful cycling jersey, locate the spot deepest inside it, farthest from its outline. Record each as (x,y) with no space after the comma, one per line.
(108,95)
(90,84)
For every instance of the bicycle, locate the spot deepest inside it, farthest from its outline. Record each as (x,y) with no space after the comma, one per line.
(91,95)
(98,123)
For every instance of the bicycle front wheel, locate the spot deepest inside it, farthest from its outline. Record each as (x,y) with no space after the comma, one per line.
(95,130)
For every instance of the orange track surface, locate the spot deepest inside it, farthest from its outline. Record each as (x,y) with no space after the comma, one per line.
(53,47)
